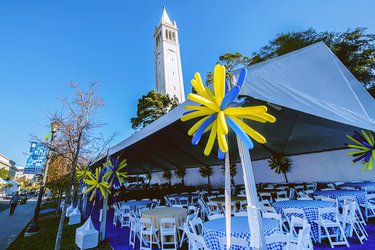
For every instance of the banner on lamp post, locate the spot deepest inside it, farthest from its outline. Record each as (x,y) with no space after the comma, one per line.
(36,158)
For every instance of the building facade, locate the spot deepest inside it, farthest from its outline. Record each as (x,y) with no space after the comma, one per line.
(168,69)
(8,164)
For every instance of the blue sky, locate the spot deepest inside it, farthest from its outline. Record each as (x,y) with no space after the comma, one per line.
(46,44)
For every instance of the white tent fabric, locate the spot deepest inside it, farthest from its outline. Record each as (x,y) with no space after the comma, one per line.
(314,98)
(312,80)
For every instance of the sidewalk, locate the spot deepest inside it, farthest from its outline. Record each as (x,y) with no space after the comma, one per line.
(12,226)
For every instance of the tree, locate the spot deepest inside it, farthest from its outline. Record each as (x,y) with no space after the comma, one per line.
(151,107)
(167,175)
(280,164)
(232,170)
(4,174)
(180,173)
(77,138)
(354,47)
(206,171)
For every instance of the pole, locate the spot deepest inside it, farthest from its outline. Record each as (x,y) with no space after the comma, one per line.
(103,223)
(228,203)
(34,227)
(257,240)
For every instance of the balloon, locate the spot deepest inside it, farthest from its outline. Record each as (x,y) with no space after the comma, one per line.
(197,136)
(222,109)
(245,139)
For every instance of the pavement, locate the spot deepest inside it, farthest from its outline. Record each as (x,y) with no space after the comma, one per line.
(12,226)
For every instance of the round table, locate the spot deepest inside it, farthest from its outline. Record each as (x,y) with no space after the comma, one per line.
(359,195)
(215,229)
(135,204)
(155,214)
(310,207)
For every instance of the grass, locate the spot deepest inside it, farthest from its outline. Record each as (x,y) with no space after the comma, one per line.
(45,239)
(47,205)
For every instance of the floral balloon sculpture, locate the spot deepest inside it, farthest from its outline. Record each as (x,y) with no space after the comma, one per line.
(97,185)
(364,145)
(222,109)
(116,176)
(82,173)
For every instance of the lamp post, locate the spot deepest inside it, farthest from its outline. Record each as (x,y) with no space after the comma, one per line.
(34,227)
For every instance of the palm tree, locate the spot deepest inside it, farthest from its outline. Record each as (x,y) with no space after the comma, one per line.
(167,175)
(280,164)
(232,170)
(206,171)
(180,173)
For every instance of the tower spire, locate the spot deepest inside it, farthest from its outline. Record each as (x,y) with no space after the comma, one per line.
(165,18)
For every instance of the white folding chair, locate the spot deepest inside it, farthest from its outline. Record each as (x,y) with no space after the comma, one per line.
(282,199)
(124,216)
(354,224)
(369,206)
(213,207)
(148,234)
(234,242)
(327,218)
(298,212)
(296,224)
(196,225)
(277,239)
(303,240)
(266,196)
(282,194)
(168,233)
(184,201)
(276,217)
(196,242)
(135,229)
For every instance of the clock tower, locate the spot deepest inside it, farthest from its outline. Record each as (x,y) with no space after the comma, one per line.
(168,68)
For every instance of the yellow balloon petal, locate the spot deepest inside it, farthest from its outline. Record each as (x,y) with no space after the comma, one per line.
(203,101)
(219,83)
(195,127)
(251,117)
(196,107)
(221,123)
(223,145)
(211,139)
(248,130)
(246,110)
(195,115)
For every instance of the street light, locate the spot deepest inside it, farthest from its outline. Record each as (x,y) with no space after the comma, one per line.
(34,227)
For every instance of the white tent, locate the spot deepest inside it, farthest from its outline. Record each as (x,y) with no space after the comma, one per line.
(314,98)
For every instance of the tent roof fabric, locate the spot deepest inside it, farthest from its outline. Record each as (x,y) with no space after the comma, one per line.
(318,101)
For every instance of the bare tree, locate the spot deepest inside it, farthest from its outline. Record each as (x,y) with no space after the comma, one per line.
(77,139)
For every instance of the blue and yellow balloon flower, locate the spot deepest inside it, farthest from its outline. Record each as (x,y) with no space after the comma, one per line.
(221,110)
(364,148)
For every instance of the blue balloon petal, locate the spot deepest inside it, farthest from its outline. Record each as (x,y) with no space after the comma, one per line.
(239,132)
(198,134)
(359,158)
(241,78)
(368,155)
(220,154)
(188,112)
(238,103)
(230,97)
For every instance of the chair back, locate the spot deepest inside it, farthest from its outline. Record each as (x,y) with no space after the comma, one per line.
(274,216)
(282,194)
(196,242)
(296,223)
(298,212)
(234,242)
(326,212)
(196,225)
(167,222)
(304,241)
(278,238)
(266,209)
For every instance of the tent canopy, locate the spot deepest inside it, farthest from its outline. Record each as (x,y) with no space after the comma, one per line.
(314,97)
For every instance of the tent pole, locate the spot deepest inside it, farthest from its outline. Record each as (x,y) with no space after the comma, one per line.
(228,202)
(257,239)
(104,218)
